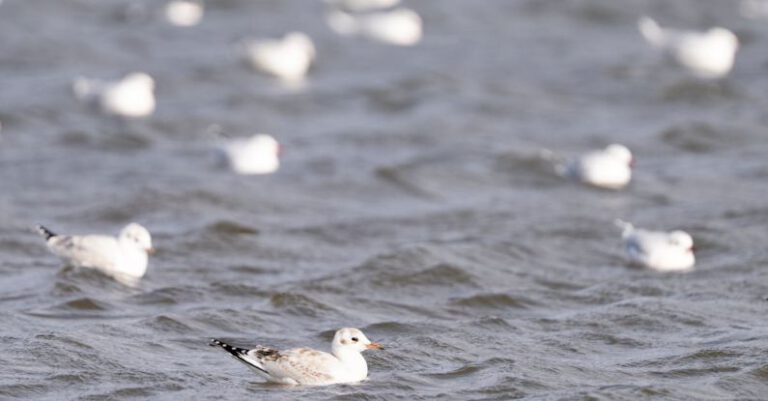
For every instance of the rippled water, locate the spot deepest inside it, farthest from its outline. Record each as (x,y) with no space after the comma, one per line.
(410,204)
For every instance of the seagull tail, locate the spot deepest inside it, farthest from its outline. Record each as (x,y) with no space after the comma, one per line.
(625,227)
(46,233)
(651,31)
(342,23)
(241,354)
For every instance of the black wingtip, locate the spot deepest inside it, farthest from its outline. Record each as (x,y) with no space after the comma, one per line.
(46,233)
(232,350)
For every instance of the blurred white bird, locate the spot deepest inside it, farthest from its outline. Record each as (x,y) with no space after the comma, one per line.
(124,257)
(259,154)
(609,168)
(658,250)
(402,26)
(288,58)
(363,5)
(709,54)
(132,96)
(306,366)
(184,12)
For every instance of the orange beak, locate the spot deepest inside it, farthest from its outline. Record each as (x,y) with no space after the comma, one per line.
(151,251)
(374,346)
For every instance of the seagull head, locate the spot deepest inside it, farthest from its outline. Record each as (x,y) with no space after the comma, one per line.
(349,339)
(621,153)
(135,234)
(681,240)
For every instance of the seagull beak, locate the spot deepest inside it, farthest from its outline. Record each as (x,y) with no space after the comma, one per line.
(374,346)
(151,250)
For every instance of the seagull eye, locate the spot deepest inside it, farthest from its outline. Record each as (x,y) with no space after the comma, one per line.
(354,339)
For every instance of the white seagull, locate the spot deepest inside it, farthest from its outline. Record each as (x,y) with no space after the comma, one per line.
(307,366)
(259,154)
(401,26)
(184,13)
(288,58)
(609,168)
(123,258)
(709,54)
(658,250)
(133,96)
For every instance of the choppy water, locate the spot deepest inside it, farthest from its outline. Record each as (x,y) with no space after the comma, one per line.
(410,204)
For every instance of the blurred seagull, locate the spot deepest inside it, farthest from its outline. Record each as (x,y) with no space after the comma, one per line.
(609,168)
(363,5)
(288,58)
(658,250)
(709,54)
(259,154)
(123,258)
(307,366)
(401,26)
(132,96)
(184,12)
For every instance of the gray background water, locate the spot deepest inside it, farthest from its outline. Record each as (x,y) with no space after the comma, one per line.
(410,204)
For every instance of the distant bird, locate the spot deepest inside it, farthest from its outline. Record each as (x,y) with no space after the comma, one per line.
(401,26)
(609,168)
(259,154)
(307,366)
(133,96)
(184,13)
(658,250)
(288,58)
(363,5)
(124,258)
(709,54)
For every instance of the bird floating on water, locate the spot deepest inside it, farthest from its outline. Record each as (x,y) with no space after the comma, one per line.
(288,58)
(259,154)
(184,13)
(609,168)
(307,366)
(124,257)
(658,250)
(132,96)
(401,26)
(709,54)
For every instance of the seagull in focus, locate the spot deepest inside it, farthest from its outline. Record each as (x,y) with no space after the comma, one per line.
(132,96)
(184,13)
(709,54)
(288,58)
(609,168)
(306,366)
(363,5)
(259,154)
(658,250)
(124,257)
(401,26)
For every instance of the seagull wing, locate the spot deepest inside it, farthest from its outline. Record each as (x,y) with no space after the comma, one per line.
(94,251)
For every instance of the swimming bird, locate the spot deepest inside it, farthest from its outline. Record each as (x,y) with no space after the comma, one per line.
(708,54)
(288,58)
(184,13)
(658,250)
(401,26)
(259,154)
(124,257)
(609,168)
(132,96)
(307,366)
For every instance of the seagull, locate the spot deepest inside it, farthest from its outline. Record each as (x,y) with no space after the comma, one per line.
(259,154)
(132,96)
(658,250)
(184,13)
(401,26)
(609,168)
(709,54)
(307,366)
(288,58)
(123,258)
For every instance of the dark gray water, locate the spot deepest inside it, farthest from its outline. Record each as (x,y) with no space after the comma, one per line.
(410,204)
